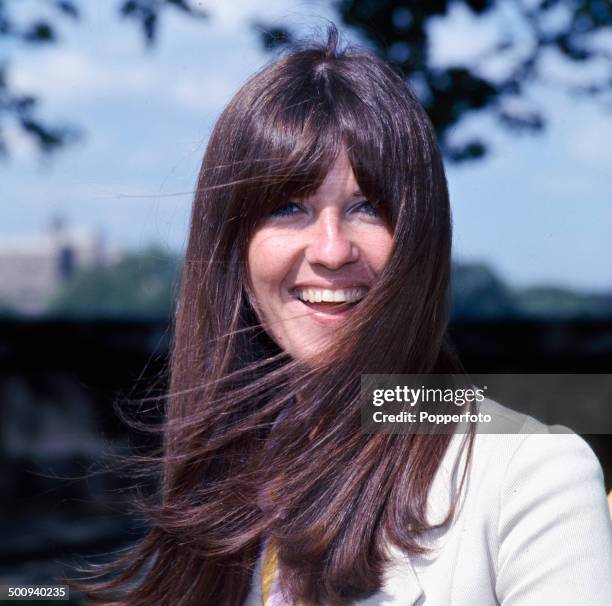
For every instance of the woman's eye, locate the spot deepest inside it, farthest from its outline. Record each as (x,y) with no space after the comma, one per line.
(286,210)
(368,208)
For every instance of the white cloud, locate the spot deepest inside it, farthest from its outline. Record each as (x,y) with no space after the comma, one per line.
(590,143)
(21,147)
(460,36)
(206,92)
(68,76)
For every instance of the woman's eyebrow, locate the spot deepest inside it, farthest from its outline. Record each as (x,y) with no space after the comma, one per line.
(357,194)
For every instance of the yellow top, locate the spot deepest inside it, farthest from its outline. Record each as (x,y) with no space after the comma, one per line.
(268,572)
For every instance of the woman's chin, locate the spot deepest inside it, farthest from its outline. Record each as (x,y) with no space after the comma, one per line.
(310,343)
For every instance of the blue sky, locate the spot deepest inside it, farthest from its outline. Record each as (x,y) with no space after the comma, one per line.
(538,210)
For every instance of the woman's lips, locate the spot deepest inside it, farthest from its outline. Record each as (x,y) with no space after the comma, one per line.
(329,314)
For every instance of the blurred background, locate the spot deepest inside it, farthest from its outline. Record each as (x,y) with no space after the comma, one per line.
(105,112)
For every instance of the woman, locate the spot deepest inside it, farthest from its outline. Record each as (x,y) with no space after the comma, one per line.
(319,251)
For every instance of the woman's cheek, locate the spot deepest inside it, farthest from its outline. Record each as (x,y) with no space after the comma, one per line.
(270,259)
(377,249)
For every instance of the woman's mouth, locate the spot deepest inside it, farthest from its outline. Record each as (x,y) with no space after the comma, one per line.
(330,306)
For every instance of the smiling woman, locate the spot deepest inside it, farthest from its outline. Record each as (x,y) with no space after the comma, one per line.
(319,251)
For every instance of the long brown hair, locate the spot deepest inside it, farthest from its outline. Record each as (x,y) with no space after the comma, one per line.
(231,475)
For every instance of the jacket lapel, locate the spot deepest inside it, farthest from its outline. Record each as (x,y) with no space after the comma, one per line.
(401,585)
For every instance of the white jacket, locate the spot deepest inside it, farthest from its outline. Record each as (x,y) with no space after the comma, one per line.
(533,528)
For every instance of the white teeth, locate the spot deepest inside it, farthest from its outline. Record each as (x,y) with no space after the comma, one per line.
(316,295)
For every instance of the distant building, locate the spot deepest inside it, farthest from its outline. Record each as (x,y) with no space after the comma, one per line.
(33,267)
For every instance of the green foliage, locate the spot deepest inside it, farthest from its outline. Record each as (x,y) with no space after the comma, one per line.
(140,285)
(7,312)
(546,301)
(144,285)
(477,293)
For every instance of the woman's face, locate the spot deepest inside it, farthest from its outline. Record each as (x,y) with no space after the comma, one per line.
(311,255)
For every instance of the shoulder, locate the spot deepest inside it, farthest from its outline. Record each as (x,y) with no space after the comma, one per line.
(532,521)
(529,460)
(546,475)
(516,443)
(512,476)
(540,502)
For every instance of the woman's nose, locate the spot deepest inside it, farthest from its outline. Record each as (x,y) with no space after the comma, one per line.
(329,243)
